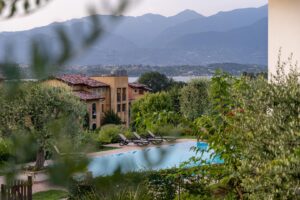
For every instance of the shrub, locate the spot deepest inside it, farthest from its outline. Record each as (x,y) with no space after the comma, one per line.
(129,186)
(154,110)
(161,186)
(254,128)
(5,150)
(169,130)
(81,185)
(89,139)
(110,117)
(110,133)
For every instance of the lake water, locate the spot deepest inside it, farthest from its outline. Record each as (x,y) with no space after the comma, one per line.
(152,158)
(176,78)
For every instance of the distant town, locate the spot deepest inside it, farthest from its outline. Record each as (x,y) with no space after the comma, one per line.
(170,71)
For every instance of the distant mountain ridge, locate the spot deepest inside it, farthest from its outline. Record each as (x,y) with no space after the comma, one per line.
(187,38)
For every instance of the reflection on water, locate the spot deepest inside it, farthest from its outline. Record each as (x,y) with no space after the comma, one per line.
(153,158)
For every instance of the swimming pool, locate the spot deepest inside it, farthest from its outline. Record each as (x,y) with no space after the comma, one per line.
(152,158)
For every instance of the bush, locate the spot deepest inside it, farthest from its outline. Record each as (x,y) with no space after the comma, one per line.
(166,184)
(80,186)
(128,186)
(254,128)
(169,130)
(110,133)
(161,186)
(5,150)
(110,117)
(89,139)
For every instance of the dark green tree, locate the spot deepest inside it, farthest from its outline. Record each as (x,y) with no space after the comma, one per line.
(110,117)
(156,81)
(194,98)
(45,106)
(175,93)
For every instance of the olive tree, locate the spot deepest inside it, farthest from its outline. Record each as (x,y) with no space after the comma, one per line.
(44,106)
(143,110)
(194,98)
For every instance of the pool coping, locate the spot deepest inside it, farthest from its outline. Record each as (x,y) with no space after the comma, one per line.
(132,147)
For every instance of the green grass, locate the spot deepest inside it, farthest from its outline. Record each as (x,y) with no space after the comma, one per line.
(50,195)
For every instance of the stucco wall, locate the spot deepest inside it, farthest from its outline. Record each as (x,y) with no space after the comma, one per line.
(116,82)
(284,31)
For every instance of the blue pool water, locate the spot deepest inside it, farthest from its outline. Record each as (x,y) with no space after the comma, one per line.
(152,158)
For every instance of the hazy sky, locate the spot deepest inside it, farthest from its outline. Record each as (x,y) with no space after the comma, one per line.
(61,10)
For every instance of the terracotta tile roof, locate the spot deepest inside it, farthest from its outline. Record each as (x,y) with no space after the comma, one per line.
(83,95)
(139,86)
(76,79)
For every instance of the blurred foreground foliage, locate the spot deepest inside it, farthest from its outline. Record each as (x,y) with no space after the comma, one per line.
(36,116)
(39,121)
(254,127)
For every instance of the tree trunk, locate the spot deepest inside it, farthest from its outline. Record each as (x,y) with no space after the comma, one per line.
(40,159)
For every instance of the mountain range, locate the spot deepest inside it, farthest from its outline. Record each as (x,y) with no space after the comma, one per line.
(188,38)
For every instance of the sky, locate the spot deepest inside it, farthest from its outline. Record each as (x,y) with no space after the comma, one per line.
(62,10)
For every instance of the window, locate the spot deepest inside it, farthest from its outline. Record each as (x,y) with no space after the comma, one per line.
(119,108)
(124,107)
(124,94)
(141,91)
(94,126)
(119,95)
(94,110)
(135,91)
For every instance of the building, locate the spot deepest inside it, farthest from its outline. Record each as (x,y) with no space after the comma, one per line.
(102,93)
(117,98)
(284,31)
(137,90)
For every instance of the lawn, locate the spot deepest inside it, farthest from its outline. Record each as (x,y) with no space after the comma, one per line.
(50,195)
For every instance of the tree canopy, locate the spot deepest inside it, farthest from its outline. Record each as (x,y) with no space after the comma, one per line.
(156,81)
(194,100)
(254,128)
(39,109)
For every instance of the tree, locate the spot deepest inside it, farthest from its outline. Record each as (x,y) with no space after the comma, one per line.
(254,128)
(155,80)
(110,117)
(143,110)
(44,107)
(175,92)
(194,100)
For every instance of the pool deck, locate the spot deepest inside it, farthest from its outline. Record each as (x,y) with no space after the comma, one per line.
(40,180)
(132,147)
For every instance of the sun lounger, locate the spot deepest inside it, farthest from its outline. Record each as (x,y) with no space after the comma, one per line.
(167,138)
(125,141)
(152,140)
